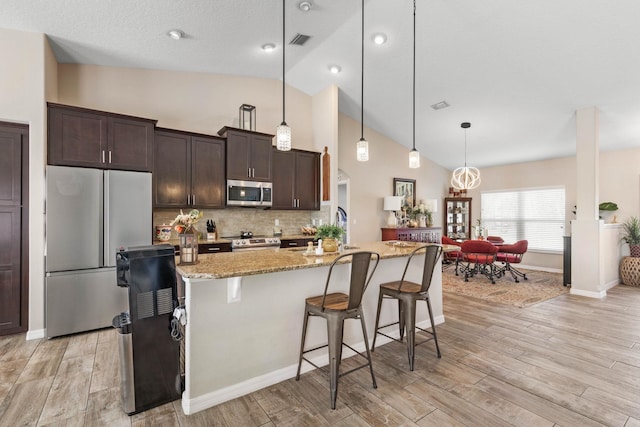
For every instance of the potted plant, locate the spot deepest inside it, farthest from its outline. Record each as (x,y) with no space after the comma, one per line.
(631,236)
(330,234)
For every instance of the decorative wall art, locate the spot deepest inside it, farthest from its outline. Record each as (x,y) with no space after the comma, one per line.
(405,188)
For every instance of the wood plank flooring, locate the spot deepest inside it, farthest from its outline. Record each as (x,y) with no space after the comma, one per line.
(569,361)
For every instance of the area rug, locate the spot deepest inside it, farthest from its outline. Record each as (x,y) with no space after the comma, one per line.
(540,286)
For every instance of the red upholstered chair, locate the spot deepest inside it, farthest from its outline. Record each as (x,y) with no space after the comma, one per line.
(478,257)
(512,254)
(451,257)
(495,239)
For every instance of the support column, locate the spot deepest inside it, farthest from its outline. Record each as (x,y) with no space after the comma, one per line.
(585,229)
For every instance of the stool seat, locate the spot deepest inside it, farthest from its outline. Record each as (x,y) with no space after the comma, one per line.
(335,308)
(400,286)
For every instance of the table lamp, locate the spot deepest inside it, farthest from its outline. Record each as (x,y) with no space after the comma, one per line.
(392,204)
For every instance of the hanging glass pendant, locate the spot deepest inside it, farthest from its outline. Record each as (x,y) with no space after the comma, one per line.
(362,150)
(414,159)
(283,137)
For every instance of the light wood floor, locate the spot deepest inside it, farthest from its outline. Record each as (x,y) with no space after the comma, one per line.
(570,361)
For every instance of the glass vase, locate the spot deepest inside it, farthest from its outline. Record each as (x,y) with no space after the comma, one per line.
(188,247)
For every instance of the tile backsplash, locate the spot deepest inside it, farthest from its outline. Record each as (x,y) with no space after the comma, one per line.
(231,221)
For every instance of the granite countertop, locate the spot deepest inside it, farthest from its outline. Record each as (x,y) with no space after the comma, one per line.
(247,263)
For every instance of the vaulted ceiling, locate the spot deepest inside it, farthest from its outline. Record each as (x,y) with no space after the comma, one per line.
(517,70)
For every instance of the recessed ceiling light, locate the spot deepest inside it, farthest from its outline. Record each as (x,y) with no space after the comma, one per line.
(175,34)
(440,105)
(268,47)
(335,69)
(379,38)
(304,6)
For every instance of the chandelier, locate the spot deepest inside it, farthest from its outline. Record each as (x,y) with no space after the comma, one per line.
(467,177)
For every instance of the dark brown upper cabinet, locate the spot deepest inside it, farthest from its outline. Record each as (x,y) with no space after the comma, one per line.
(189,170)
(248,154)
(296,180)
(98,139)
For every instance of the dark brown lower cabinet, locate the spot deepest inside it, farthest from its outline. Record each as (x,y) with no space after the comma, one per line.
(14,236)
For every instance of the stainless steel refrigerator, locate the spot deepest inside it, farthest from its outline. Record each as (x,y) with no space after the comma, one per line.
(90,214)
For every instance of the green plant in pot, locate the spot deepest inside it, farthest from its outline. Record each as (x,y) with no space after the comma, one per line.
(330,234)
(631,235)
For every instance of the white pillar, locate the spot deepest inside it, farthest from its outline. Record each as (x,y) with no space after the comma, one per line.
(585,230)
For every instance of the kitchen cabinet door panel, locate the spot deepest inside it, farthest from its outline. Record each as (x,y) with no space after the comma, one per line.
(76,138)
(130,145)
(171,179)
(308,180)
(208,182)
(283,180)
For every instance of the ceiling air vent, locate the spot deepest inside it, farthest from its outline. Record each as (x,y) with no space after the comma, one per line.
(299,39)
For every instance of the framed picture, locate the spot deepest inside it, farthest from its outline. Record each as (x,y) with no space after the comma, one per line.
(406,188)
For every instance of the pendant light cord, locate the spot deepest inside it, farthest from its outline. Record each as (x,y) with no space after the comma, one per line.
(283,57)
(362,80)
(414,74)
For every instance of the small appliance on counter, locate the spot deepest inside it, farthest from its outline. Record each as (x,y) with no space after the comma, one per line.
(149,355)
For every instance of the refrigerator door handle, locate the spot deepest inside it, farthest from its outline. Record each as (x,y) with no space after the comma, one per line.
(102,156)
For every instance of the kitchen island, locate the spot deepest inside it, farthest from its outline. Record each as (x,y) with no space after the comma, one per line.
(245,313)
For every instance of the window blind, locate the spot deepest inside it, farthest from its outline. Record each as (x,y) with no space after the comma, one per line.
(536,215)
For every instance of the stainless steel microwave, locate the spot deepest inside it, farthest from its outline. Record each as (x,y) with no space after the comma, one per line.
(248,193)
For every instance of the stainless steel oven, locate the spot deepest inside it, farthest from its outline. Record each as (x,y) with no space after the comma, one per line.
(248,193)
(255,244)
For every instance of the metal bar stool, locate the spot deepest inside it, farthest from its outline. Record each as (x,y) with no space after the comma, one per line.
(335,308)
(407,293)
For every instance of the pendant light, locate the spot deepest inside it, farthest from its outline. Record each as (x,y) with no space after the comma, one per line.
(283,132)
(414,155)
(362,148)
(467,177)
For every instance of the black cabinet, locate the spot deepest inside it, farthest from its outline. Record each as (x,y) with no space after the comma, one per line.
(296,180)
(301,242)
(90,138)
(248,154)
(189,170)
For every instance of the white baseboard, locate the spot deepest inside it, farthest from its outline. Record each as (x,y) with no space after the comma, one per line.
(36,334)
(205,401)
(599,294)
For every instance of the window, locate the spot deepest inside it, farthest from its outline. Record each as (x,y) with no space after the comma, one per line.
(536,215)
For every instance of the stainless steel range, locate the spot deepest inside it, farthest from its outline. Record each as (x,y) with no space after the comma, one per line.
(255,244)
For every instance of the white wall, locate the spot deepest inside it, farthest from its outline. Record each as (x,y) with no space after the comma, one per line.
(26,59)
(371,181)
(195,102)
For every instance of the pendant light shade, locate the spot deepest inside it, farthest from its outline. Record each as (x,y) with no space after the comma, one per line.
(283,132)
(414,159)
(414,155)
(362,147)
(467,177)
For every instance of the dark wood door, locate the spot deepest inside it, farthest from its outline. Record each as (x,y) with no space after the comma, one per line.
(238,144)
(260,160)
(14,289)
(77,138)
(307,178)
(130,144)
(172,163)
(283,179)
(208,179)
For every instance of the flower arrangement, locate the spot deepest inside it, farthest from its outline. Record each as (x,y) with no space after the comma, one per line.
(184,223)
(479,229)
(419,211)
